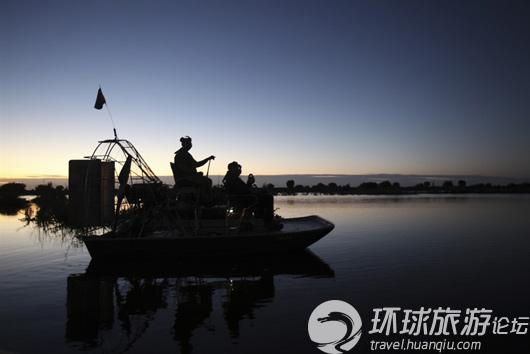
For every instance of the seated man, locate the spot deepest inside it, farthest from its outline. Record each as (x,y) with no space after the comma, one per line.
(185,168)
(246,194)
(233,184)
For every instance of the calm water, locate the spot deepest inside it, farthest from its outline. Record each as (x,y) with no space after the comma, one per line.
(469,251)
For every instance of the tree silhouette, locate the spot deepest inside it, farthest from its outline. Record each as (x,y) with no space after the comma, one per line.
(448,185)
(385,185)
(290,186)
(10,203)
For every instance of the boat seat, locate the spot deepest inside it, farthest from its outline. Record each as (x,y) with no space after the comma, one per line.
(180,181)
(185,190)
(182,184)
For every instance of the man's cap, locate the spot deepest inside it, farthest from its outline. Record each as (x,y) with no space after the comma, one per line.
(233,165)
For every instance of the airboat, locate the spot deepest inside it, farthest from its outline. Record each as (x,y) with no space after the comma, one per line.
(133,214)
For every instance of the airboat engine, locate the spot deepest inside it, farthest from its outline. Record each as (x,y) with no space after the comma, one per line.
(91,188)
(97,191)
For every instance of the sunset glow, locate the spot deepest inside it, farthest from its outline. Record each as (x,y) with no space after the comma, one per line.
(347,87)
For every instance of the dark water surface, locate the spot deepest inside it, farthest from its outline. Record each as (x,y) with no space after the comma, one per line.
(408,252)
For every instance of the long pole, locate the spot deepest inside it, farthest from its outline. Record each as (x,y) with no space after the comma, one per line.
(110,115)
(112,120)
(208,169)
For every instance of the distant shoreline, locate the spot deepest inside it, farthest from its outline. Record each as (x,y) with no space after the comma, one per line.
(315,179)
(12,195)
(11,189)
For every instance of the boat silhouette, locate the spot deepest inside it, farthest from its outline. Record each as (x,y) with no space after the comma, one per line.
(132,214)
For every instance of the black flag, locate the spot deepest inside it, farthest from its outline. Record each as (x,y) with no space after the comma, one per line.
(100,100)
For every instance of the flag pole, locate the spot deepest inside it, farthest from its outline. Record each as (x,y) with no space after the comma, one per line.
(112,120)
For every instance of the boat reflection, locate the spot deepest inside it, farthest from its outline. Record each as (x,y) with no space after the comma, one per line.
(111,306)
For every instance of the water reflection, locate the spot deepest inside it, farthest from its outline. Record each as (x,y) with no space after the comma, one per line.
(111,301)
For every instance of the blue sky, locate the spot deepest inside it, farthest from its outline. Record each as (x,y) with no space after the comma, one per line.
(283,87)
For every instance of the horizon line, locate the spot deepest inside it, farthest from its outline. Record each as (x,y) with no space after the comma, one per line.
(323,175)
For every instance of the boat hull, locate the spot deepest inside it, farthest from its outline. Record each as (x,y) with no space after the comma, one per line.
(296,234)
(299,264)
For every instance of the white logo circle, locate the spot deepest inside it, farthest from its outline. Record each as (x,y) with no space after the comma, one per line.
(334,326)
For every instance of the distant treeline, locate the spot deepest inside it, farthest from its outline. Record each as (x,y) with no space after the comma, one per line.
(46,195)
(10,193)
(387,187)
(10,203)
(15,190)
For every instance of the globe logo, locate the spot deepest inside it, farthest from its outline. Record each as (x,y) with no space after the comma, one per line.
(335,327)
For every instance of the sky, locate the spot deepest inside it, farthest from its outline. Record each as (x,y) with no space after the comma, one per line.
(282,87)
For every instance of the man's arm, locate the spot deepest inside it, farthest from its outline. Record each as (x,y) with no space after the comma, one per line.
(202,162)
